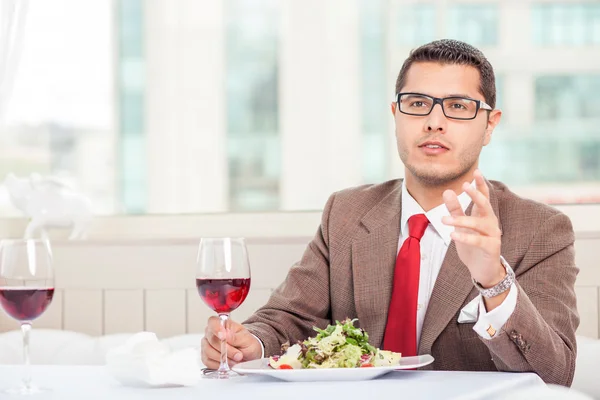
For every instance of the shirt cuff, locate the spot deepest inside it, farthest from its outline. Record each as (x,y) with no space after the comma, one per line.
(262,346)
(494,320)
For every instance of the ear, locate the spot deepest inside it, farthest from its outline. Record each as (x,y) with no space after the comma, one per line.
(393,108)
(493,121)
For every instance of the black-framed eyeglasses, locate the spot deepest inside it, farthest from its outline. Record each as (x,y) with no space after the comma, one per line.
(462,108)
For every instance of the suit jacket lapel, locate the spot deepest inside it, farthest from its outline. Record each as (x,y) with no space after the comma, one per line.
(373,261)
(450,291)
(451,288)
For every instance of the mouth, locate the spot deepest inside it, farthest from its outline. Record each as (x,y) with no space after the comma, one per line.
(432,148)
(434,145)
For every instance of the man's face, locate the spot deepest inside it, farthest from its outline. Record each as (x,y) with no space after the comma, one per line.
(461,141)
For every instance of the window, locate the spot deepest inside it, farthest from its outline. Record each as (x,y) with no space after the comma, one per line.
(560,147)
(252,103)
(60,116)
(267,105)
(414,23)
(476,24)
(568,111)
(374,90)
(132,178)
(566,24)
(567,97)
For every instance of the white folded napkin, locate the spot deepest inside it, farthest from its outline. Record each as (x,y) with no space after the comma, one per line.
(144,361)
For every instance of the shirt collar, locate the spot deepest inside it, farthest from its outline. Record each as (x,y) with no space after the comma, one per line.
(410,207)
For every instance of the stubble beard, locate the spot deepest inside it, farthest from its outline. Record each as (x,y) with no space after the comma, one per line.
(435,176)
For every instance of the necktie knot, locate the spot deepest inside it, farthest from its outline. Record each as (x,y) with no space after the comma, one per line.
(417,225)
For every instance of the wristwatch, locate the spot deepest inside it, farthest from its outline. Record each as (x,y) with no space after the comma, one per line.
(501,286)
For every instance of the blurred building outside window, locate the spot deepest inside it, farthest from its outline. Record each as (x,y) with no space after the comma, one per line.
(159,107)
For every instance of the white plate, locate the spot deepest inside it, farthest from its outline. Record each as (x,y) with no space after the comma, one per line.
(261,367)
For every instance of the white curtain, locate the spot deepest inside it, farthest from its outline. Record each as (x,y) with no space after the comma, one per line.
(12,25)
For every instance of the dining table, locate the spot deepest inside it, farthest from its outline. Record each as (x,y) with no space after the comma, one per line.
(95,382)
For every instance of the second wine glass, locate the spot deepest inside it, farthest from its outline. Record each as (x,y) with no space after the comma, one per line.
(26,290)
(223,282)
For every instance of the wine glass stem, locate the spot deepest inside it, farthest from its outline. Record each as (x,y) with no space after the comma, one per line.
(25,328)
(224,367)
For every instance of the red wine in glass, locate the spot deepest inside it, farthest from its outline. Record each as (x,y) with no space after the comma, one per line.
(223,295)
(223,283)
(26,291)
(25,304)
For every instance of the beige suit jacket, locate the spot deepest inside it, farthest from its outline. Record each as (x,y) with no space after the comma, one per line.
(347,271)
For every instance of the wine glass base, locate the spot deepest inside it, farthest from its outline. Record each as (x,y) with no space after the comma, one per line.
(26,390)
(216,374)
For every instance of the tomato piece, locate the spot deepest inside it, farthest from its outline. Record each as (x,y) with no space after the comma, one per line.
(285,366)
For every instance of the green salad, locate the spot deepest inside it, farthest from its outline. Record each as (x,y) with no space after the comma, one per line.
(338,346)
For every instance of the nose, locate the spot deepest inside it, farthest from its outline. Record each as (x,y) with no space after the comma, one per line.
(436,120)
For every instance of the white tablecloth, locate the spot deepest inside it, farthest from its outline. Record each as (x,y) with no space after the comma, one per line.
(93,382)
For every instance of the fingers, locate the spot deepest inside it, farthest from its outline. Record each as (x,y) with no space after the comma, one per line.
(232,352)
(238,340)
(475,240)
(211,354)
(452,203)
(242,340)
(211,357)
(479,225)
(480,194)
(481,185)
(482,221)
(479,199)
(234,332)
(213,328)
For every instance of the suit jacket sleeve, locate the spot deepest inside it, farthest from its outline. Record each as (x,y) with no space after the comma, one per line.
(540,334)
(302,300)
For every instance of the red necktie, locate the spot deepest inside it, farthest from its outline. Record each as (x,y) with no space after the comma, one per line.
(401,329)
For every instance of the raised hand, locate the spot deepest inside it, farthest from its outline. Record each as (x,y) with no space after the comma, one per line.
(477,236)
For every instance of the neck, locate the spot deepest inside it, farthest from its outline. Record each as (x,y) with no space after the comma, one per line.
(429,196)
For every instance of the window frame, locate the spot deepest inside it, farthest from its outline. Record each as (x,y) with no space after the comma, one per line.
(274,225)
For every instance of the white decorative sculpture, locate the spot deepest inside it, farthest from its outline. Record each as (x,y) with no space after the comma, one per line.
(50,204)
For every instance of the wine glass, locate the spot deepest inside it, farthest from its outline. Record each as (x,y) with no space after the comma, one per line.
(223,282)
(26,290)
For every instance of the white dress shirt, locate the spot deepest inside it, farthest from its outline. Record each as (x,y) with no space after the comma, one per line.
(434,244)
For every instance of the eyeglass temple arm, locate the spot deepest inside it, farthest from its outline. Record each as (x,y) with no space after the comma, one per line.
(485,105)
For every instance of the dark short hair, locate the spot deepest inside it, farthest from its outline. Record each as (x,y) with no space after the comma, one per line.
(450,51)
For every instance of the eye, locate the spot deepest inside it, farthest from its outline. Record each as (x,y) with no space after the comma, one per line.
(458,106)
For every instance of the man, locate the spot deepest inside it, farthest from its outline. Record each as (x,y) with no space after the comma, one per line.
(409,258)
